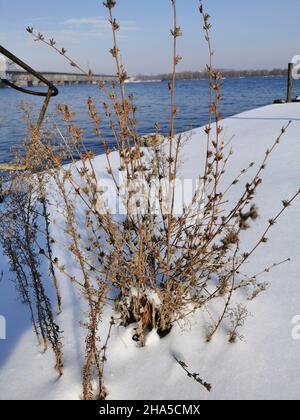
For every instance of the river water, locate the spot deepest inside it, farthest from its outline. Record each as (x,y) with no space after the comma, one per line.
(152,100)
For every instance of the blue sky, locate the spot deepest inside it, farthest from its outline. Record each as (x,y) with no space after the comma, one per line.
(246,34)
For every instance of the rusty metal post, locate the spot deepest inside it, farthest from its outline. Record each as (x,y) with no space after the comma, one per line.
(44,110)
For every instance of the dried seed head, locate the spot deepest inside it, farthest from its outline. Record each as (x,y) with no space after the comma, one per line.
(109,4)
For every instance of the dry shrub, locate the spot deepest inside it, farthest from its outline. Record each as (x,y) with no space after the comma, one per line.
(153,266)
(25,239)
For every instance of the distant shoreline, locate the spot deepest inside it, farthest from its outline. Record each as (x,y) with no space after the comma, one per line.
(228,74)
(191,76)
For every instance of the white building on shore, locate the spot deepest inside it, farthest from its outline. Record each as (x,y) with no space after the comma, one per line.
(6,66)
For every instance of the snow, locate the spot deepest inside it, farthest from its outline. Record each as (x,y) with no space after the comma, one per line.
(263,366)
(151,295)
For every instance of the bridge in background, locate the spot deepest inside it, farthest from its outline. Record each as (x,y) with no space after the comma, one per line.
(22,78)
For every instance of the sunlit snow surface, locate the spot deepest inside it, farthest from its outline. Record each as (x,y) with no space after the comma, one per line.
(266,365)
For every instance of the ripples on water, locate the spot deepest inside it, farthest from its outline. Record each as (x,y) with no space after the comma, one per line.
(152,100)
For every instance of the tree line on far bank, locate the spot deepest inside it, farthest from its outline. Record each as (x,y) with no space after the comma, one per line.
(197,75)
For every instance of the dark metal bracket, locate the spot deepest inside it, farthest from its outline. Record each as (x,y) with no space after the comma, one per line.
(16,60)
